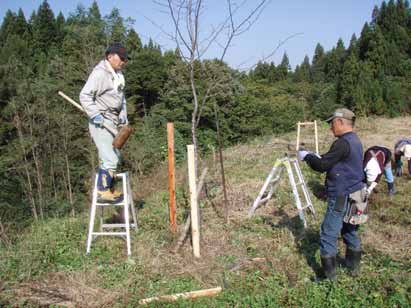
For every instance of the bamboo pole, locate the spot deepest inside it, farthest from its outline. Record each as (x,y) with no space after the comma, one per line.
(195,225)
(298,137)
(185,295)
(171,177)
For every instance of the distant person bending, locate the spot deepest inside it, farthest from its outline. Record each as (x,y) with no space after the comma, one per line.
(402,148)
(343,164)
(377,160)
(103,99)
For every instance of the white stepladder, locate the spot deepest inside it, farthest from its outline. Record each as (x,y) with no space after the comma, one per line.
(292,166)
(127,204)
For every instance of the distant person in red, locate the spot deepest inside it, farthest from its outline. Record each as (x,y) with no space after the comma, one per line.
(402,147)
(377,160)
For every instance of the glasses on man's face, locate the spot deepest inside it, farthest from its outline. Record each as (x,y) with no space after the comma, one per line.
(332,123)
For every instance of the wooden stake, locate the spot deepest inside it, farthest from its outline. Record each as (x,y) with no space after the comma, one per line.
(172,298)
(195,225)
(316,137)
(187,224)
(171,177)
(299,124)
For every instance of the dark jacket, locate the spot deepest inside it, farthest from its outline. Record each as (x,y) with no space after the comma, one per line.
(343,164)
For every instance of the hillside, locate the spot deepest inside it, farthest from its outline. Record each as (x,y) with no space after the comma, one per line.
(266,261)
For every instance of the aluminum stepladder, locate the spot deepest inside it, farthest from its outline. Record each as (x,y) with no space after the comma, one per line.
(127,204)
(292,166)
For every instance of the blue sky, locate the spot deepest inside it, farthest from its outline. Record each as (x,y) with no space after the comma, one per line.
(317,21)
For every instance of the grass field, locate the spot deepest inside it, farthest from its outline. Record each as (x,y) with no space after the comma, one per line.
(266,261)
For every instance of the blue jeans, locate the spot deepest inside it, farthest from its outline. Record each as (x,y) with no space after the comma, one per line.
(108,156)
(333,225)
(388,173)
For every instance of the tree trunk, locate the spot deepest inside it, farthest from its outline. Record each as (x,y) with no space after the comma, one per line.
(195,112)
(29,186)
(70,190)
(39,182)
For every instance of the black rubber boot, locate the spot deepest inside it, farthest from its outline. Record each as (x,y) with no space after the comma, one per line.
(352,261)
(390,188)
(329,263)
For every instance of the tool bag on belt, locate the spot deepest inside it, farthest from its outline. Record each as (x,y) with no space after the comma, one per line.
(357,210)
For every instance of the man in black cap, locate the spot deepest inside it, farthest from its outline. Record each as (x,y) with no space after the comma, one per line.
(103,100)
(343,164)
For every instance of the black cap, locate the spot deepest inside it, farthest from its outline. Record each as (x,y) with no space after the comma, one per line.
(117,48)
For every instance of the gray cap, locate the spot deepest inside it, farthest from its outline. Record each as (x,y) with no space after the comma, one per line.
(342,113)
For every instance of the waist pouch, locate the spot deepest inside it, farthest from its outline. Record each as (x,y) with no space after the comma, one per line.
(357,209)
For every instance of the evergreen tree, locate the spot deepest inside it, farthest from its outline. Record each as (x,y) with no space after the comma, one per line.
(284,68)
(364,41)
(348,81)
(60,29)
(353,47)
(318,64)
(133,41)
(334,61)
(44,28)
(96,23)
(115,28)
(7,26)
(302,73)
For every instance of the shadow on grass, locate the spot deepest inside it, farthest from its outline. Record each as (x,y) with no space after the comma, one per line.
(317,189)
(307,240)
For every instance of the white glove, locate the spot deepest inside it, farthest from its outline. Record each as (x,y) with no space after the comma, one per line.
(302,154)
(123,119)
(371,187)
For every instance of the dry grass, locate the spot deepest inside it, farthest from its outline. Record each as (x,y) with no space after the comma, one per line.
(65,289)
(274,235)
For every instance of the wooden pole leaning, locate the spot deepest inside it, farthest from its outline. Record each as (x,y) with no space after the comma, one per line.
(171,177)
(195,221)
(299,124)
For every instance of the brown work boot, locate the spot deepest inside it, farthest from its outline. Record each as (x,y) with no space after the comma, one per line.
(116,193)
(106,196)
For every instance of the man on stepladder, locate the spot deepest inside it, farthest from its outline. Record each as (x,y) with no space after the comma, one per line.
(343,164)
(102,97)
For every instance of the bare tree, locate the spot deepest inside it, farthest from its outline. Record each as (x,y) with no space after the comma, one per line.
(186,17)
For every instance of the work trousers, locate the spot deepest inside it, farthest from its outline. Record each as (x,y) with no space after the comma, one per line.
(109,157)
(333,225)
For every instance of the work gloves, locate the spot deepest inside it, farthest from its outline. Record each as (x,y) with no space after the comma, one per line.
(371,187)
(302,154)
(122,120)
(98,120)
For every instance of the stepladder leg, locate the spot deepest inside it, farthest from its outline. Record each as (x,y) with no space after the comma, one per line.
(92,217)
(126,212)
(274,173)
(131,204)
